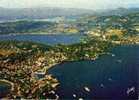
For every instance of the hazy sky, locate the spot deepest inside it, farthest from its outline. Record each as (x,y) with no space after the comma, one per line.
(88,4)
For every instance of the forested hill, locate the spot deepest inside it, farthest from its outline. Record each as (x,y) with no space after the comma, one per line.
(121,24)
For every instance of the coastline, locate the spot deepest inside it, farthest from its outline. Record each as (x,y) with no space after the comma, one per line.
(54,57)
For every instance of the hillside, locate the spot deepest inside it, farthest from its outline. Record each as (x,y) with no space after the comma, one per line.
(45,12)
(126,24)
(40,13)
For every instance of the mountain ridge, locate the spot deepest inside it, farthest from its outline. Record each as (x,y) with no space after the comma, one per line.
(45,12)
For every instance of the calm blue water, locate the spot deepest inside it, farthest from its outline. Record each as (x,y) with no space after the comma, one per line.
(4,88)
(109,77)
(46,39)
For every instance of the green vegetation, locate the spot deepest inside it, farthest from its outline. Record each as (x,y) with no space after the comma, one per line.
(32,27)
(25,27)
(124,25)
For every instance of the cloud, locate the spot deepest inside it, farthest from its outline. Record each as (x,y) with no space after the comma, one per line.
(88,4)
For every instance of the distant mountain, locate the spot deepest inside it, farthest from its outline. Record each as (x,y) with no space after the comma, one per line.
(43,13)
(119,11)
(40,13)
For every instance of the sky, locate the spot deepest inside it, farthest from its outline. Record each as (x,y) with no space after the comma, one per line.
(87,4)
